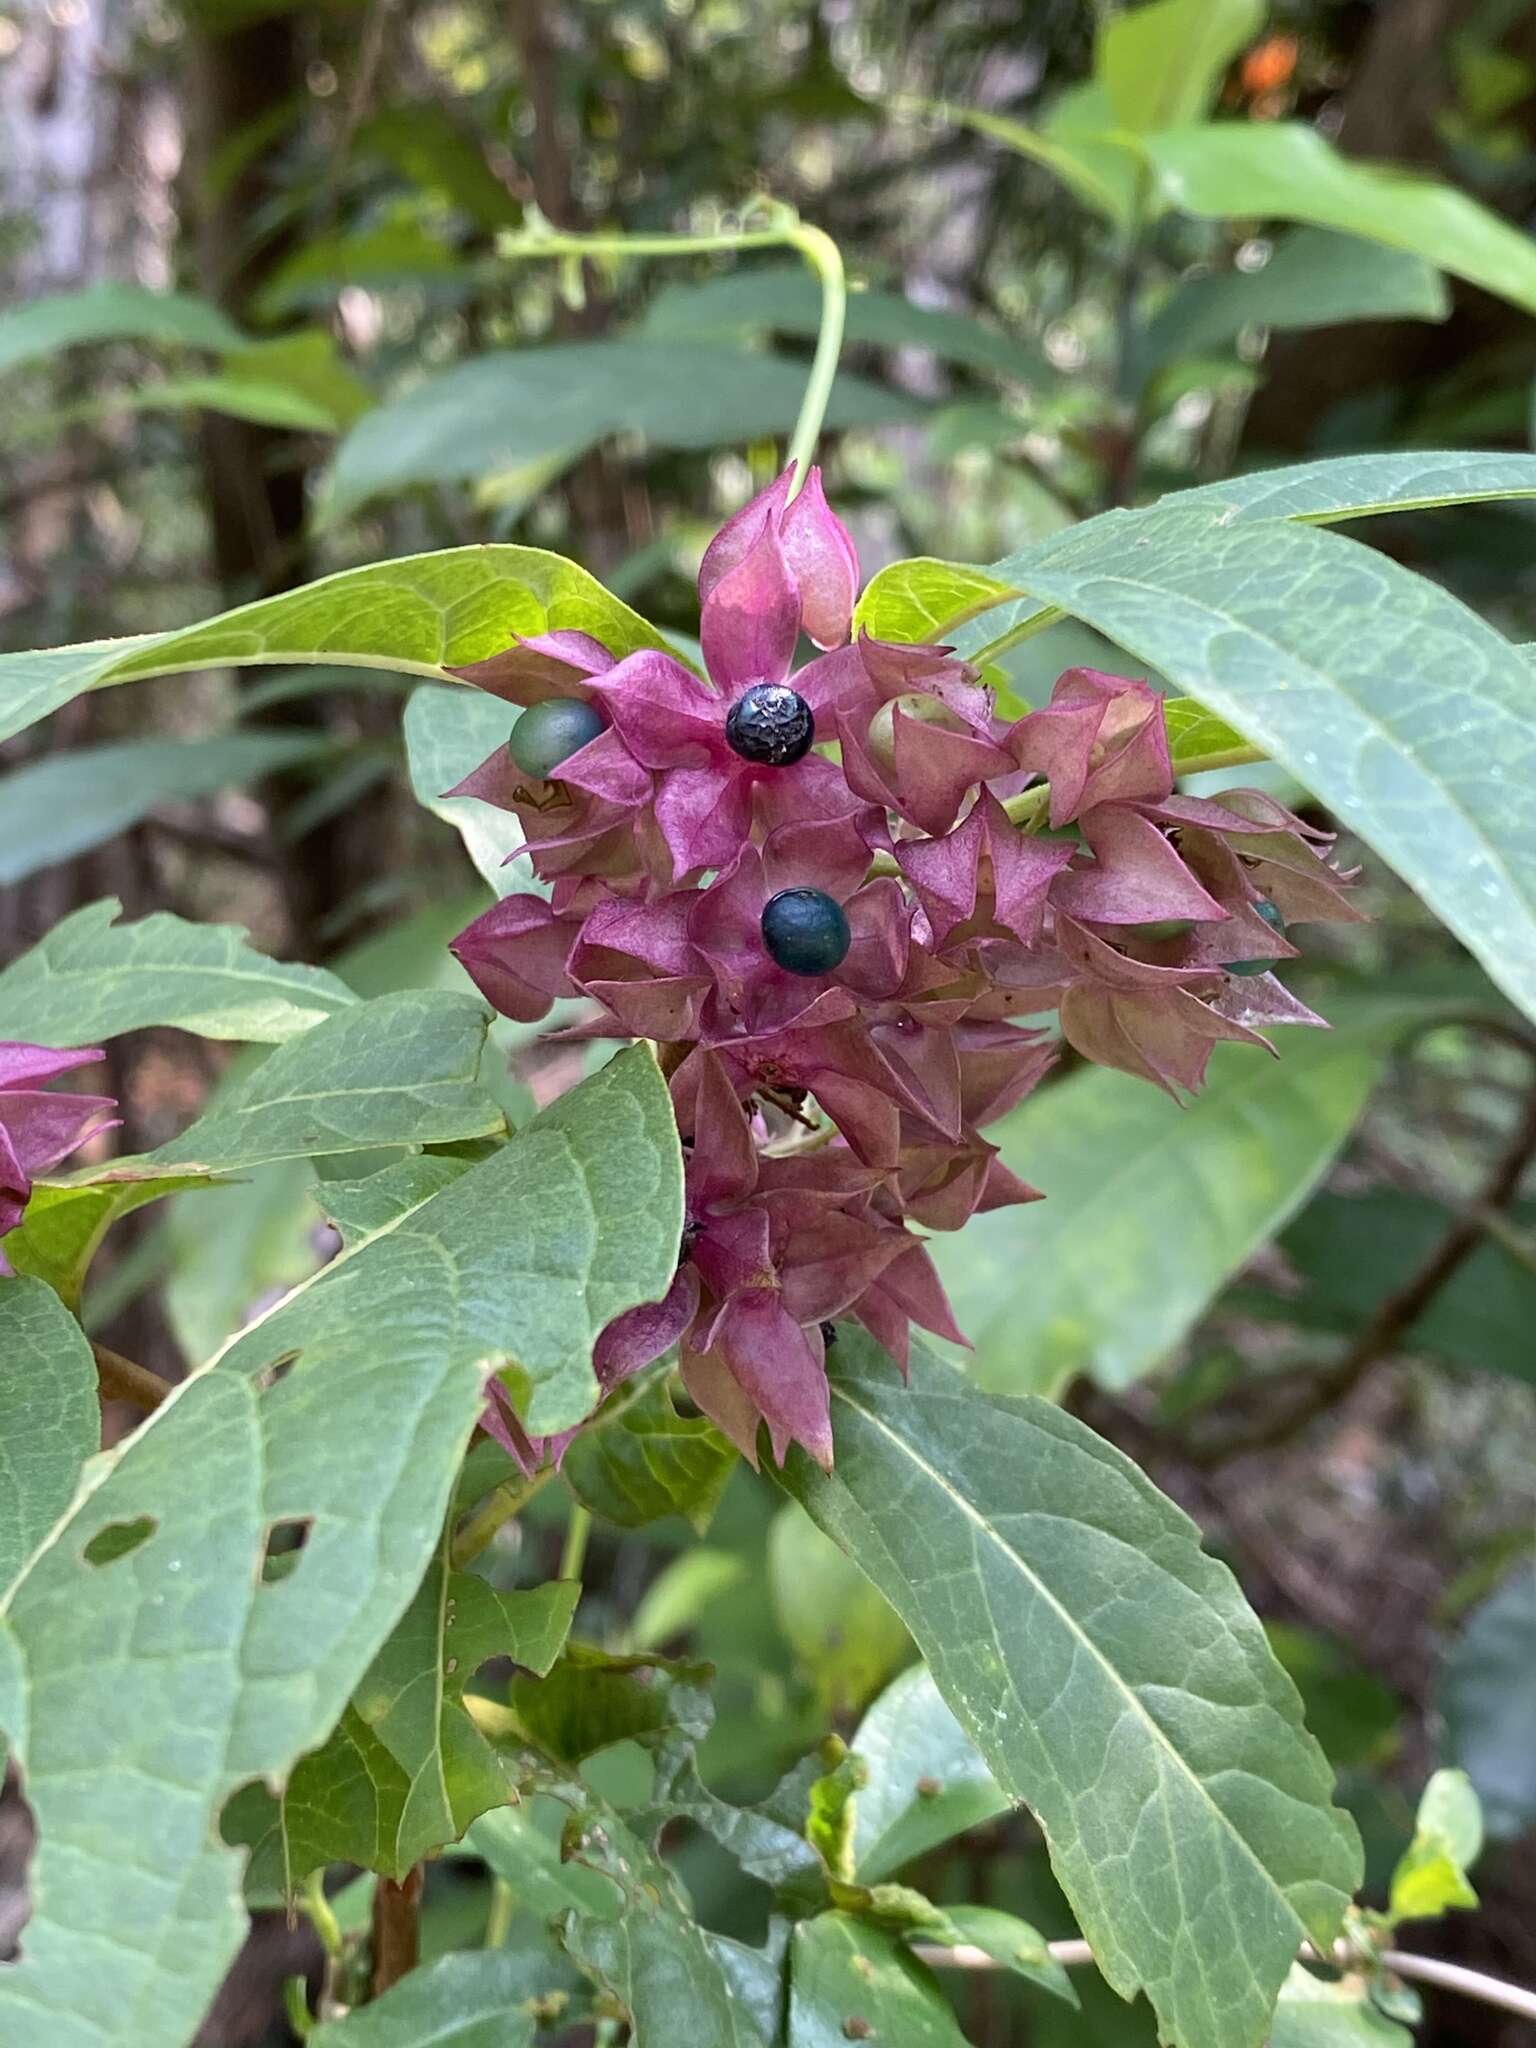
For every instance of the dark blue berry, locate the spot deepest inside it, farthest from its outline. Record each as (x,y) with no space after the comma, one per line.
(1265,909)
(805,931)
(771,725)
(550,732)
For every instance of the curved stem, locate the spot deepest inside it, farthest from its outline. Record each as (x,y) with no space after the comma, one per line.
(782,228)
(573,1554)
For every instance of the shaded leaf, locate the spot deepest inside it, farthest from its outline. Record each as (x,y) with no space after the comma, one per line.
(447,733)
(517,406)
(400,1070)
(127,1759)
(111,312)
(406,1769)
(50,1419)
(475,1999)
(1011,1943)
(841,1630)
(1488,1698)
(1087,1280)
(1314,2013)
(92,978)
(1163,63)
(230,1262)
(1111,1675)
(844,1971)
(927,1779)
(681,1592)
(641,1460)
(64,803)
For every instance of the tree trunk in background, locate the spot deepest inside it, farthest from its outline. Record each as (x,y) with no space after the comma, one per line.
(1400,83)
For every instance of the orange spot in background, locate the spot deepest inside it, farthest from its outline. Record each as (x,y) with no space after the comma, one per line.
(1269,65)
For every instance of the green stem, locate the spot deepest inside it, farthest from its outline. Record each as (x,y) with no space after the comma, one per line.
(488,1515)
(317,1908)
(573,1554)
(782,229)
(498,1921)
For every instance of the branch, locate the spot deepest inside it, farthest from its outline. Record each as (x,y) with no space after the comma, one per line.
(396,1930)
(122,1379)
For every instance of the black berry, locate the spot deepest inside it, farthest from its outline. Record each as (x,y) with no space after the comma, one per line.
(1265,909)
(805,931)
(771,725)
(550,732)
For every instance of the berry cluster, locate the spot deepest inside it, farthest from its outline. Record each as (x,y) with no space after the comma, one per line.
(806,887)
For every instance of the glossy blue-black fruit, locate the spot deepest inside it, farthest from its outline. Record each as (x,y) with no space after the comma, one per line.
(1265,909)
(805,931)
(771,725)
(550,732)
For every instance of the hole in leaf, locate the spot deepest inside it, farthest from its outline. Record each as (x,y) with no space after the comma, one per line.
(274,1374)
(117,1539)
(283,1547)
(18,1843)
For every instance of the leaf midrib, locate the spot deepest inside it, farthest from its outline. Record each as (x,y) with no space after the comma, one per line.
(841,1393)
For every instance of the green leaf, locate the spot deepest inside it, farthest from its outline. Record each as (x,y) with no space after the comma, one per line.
(112,312)
(1163,64)
(406,1769)
(1314,278)
(92,978)
(425,143)
(261,1239)
(1011,1943)
(641,1460)
(418,615)
(517,406)
(1488,1698)
(592,1700)
(400,1070)
(399,251)
(308,366)
(927,1779)
(50,1419)
(843,1971)
(1431,1873)
(1286,170)
(474,1999)
(387,1350)
(1111,1675)
(447,733)
(682,1592)
(1084,1281)
(1314,2013)
(523,1848)
(1353,1250)
(923,599)
(1360,487)
(65,1222)
(1103,170)
(1333,659)
(782,298)
(65,803)
(653,1956)
(841,1630)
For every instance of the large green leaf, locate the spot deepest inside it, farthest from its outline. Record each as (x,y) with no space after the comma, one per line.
(1286,170)
(65,803)
(400,1070)
(1163,64)
(477,1998)
(1361,487)
(1111,1675)
(142,1690)
(1333,659)
(1315,278)
(844,1971)
(927,1779)
(1488,1698)
(1150,1206)
(93,978)
(50,1420)
(1316,2013)
(112,312)
(518,406)
(406,1769)
(418,616)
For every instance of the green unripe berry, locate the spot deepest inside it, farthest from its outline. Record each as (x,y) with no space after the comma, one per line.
(1271,916)
(550,732)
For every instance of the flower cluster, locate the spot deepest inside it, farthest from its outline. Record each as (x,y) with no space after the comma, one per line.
(38,1128)
(806,886)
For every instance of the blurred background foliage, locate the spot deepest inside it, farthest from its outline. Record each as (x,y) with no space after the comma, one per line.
(259,329)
